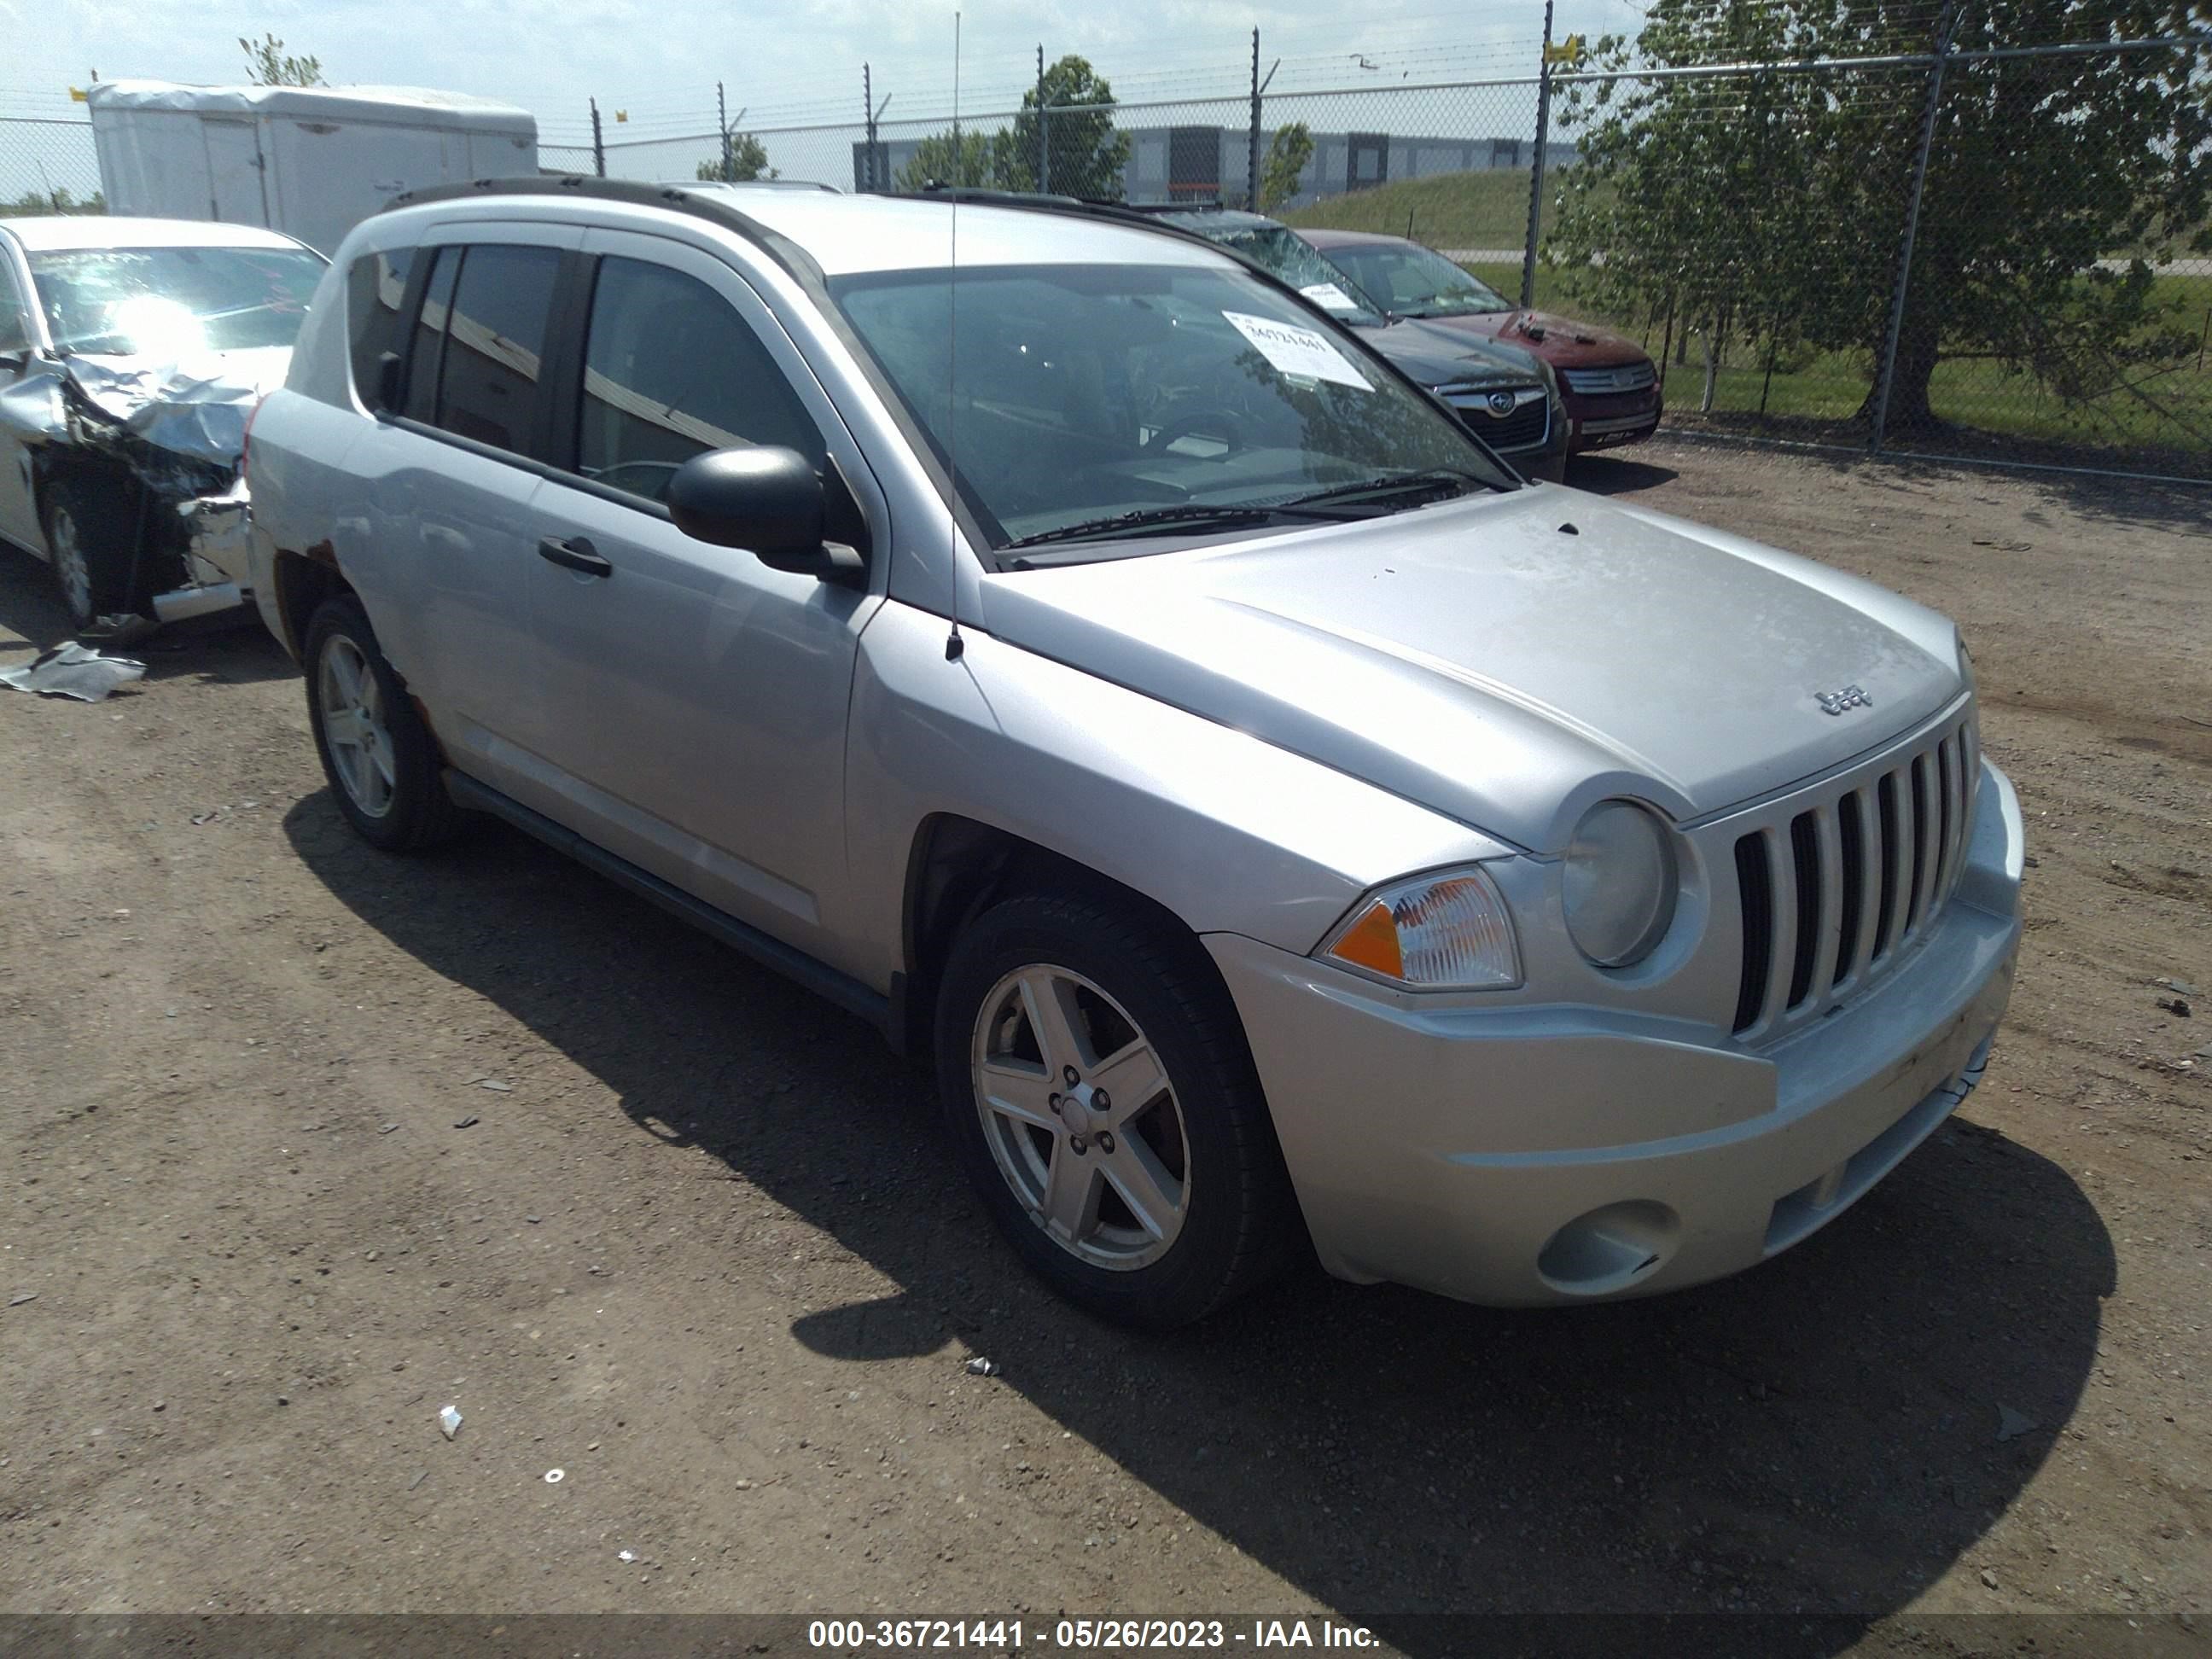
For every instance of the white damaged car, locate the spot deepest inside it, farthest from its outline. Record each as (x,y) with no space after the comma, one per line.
(133,353)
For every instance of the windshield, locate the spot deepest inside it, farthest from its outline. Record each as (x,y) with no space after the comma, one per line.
(1290,259)
(172,301)
(1091,394)
(1415,282)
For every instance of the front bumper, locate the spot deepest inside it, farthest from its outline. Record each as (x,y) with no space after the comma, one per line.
(1607,422)
(1408,1124)
(217,557)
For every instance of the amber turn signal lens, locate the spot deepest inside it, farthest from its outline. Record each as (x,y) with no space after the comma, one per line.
(1372,943)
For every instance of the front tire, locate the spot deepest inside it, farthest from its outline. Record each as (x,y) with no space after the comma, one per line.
(1096,1081)
(377,754)
(90,533)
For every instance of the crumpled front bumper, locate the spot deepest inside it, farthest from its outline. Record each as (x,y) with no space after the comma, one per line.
(1416,1134)
(218,564)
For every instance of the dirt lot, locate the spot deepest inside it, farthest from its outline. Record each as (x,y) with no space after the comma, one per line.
(699,1248)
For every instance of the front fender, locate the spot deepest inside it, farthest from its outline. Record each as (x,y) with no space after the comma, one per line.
(1228,833)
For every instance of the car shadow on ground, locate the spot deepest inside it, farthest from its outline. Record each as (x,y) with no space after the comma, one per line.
(232,647)
(1616,474)
(1820,1436)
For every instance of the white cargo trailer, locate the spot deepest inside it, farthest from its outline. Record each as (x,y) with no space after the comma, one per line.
(312,161)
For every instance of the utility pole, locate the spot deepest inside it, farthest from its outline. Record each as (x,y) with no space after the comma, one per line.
(598,146)
(1536,170)
(1252,145)
(1044,140)
(1886,371)
(722,123)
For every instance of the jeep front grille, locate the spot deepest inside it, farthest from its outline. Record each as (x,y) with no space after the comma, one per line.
(1834,884)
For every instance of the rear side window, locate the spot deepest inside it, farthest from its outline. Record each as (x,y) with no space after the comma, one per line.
(487,387)
(375,285)
(670,371)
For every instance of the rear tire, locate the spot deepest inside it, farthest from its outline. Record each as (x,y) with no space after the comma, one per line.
(1152,1209)
(381,759)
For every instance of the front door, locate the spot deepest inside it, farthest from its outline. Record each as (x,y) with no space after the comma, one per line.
(693,699)
(19,517)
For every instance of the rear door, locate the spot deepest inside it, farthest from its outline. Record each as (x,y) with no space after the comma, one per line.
(237,190)
(447,481)
(694,698)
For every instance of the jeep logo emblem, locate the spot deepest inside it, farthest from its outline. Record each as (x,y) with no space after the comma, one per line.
(1834,702)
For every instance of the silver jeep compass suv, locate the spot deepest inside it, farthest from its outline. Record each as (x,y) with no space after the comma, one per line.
(1085,660)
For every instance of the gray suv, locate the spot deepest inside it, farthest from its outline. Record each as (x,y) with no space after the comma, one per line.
(1095,668)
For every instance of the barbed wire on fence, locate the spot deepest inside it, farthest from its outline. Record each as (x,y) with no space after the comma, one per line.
(1732,195)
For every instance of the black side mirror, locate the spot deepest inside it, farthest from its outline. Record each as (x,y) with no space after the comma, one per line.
(767,501)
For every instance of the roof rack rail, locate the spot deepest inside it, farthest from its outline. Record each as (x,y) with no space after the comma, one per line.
(707,204)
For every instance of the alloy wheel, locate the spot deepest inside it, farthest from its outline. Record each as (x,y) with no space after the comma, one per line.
(352,705)
(1081,1117)
(72,570)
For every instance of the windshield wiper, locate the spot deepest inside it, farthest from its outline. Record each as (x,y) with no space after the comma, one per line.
(1166,518)
(1435,482)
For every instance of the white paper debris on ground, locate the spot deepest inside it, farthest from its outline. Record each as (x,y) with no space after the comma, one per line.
(624,1555)
(980,1366)
(1301,351)
(74,671)
(555,1477)
(449,1422)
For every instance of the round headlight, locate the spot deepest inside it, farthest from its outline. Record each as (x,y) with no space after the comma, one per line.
(1621,884)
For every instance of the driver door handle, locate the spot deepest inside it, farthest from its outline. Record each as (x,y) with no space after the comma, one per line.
(575,554)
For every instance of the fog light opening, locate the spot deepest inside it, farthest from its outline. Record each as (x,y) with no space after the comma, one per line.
(1609,1248)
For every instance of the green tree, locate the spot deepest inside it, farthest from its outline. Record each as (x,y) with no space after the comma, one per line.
(59,201)
(748,161)
(1088,154)
(1768,208)
(942,159)
(266,65)
(1288,152)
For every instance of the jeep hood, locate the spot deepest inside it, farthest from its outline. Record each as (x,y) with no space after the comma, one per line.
(1507,659)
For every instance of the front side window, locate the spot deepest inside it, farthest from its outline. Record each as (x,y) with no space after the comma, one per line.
(670,371)
(15,333)
(495,343)
(1069,398)
(1415,282)
(171,302)
(375,287)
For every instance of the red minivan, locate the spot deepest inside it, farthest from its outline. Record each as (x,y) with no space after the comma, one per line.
(1606,382)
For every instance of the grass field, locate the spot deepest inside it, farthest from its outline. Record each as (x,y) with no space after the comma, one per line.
(2164,422)
(1452,209)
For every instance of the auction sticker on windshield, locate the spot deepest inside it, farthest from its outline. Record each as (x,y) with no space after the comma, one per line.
(1296,350)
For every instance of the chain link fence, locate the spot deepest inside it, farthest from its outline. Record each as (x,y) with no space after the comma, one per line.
(1940,242)
(47,166)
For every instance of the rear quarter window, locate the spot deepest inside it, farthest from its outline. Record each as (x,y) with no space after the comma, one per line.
(376,284)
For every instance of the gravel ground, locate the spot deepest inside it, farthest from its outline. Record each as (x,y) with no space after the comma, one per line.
(699,1246)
